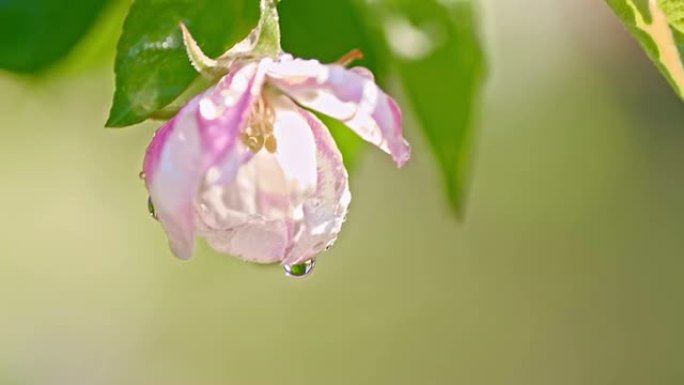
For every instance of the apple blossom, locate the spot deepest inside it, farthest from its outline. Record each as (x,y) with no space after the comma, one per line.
(247,166)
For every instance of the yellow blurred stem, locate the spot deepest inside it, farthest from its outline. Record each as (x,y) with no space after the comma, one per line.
(660,32)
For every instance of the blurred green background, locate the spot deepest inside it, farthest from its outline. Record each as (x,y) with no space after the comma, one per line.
(567,269)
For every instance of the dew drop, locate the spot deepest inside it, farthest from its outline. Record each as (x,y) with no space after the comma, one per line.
(150,208)
(300,270)
(141,175)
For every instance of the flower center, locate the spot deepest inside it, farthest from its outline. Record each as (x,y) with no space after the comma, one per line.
(259,131)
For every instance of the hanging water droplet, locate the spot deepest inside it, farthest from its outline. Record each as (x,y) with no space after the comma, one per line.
(141,175)
(300,270)
(150,208)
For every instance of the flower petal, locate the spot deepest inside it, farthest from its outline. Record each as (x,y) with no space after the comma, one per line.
(350,96)
(224,112)
(325,210)
(282,207)
(253,216)
(205,132)
(248,217)
(171,174)
(296,152)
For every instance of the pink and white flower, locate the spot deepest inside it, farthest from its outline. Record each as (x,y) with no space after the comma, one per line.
(249,168)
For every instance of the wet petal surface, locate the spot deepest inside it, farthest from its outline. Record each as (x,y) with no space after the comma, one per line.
(349,95)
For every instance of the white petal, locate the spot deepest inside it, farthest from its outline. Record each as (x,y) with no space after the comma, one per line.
(248,217)
(296,152)
(325,210)
(350,96)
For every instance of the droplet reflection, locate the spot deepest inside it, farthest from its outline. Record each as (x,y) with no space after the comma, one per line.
(300,270)
(150,208)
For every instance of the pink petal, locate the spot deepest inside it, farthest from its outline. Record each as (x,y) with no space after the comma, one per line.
(172,171)
(257,240)
(350,96)
(325,210)
(281,207)
(223,113)
(205,132)
(248,217)
(254,215)
(296,153)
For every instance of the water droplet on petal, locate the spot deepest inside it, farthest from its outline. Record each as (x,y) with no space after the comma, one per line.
(141,175)
(300,270)
(150,208)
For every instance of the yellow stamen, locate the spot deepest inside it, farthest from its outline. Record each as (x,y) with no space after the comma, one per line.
(271,144)
(259,133)
(253,142)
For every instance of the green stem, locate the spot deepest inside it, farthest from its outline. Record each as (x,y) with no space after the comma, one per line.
(268,42)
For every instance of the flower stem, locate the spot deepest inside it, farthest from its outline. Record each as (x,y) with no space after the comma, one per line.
(269,29)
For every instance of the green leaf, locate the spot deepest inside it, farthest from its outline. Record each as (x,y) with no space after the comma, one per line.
(674,9)
(659,27)
(34,34)
(327,30)
(435,51)
(152,67)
